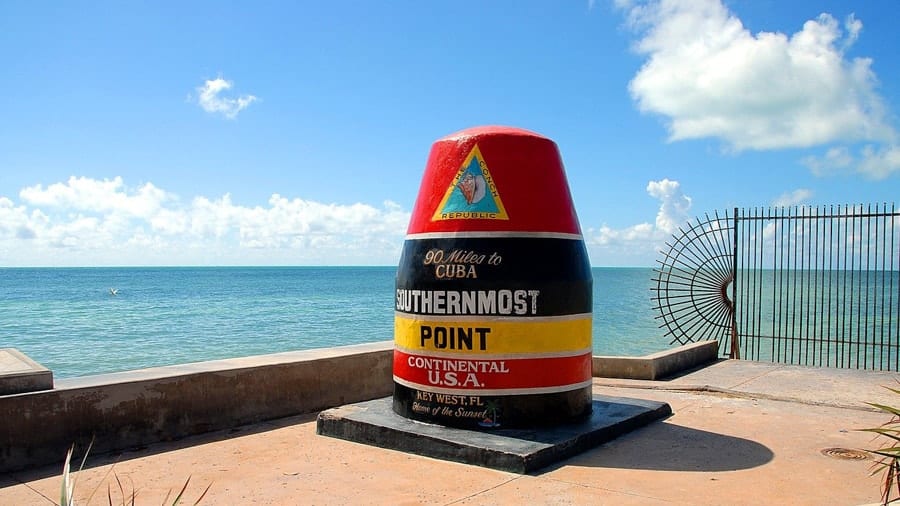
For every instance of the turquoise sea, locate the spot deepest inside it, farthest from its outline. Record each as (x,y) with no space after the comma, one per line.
(68,320)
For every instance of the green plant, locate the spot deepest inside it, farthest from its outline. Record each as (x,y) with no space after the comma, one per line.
(888,456)
(69,479)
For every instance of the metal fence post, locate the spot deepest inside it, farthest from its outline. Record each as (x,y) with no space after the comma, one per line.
(735,345)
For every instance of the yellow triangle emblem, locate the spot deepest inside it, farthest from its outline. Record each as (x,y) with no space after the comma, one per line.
(472,195)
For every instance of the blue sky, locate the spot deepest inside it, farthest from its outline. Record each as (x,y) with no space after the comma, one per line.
(296,133)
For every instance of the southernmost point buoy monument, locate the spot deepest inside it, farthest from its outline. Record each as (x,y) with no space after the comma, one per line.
(492,355)
(493,302)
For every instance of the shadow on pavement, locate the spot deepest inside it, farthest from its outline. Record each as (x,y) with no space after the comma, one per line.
(669,447)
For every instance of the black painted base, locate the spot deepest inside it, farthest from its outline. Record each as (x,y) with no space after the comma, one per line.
(510,411)
(514,450)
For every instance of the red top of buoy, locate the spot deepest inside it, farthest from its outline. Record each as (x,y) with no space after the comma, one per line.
(494,179)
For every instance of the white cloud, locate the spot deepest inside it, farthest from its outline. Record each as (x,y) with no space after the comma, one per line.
(853,26)
(793,198)
(15,221)
(641,243)
(210,100)
(879,162)
(87,221)
(674,205)
(874,162)
(709,77)
(837,159)
(85,194)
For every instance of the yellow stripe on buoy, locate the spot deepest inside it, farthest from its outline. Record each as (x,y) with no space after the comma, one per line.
(493,337)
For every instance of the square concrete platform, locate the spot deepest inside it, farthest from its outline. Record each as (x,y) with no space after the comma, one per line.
(515,450)
(20,374)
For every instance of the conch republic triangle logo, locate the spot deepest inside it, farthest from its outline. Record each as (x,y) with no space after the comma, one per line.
(472,194)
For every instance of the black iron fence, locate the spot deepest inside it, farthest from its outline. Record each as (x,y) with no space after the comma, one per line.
(800,285)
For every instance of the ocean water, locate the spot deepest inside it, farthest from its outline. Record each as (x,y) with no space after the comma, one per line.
(67,319)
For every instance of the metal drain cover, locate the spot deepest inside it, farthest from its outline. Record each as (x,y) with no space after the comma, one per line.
(845,453)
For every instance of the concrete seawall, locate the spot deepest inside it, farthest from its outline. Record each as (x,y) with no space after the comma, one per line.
(656,365)
(136,408)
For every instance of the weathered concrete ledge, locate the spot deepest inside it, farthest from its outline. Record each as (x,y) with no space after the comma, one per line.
(136,408)
(19,374)
(657,365)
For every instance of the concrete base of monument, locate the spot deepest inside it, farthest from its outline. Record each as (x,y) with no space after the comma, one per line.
(514,450)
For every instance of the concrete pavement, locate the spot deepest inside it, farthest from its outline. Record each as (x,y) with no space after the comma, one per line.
(741,433)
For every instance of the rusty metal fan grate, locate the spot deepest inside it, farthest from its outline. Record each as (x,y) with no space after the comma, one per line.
(693,279)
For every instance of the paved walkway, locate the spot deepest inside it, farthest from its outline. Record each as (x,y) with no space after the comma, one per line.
(741,433)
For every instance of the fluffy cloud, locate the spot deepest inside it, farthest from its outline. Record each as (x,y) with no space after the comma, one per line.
(86,221)
(709,77)
(210,99)
(674,205)
(85,194)
(640,243)
(793,198)
(879,162)
(875,162)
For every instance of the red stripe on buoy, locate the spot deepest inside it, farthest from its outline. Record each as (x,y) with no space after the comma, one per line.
(527,175)
(483,373)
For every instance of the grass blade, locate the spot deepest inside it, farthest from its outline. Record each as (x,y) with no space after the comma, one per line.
(66,489)
(203,494)
(181,493)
